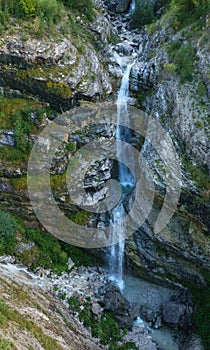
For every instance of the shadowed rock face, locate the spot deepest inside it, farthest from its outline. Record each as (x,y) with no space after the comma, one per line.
(55,70)
(118,6)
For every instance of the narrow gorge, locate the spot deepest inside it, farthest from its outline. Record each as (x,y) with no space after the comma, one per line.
(113,97)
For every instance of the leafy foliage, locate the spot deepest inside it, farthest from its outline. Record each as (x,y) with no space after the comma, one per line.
(183,56)
(188,11)
(105,328)
(82,6)
(144,13)
(50,10)
(51,253)
(8,229)
(201,316)
(6,344)
(23,116)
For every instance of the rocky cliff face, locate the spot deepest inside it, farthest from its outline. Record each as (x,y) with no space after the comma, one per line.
(170,81)
(60,69)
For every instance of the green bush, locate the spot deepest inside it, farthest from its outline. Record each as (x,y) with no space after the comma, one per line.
(6,344)
(201,316)
(187,11)
(49,10)
(18,8)
(183,56)
(144,13)
(8,229)
(47,253)
(82,6)
(105,328)
(51,253)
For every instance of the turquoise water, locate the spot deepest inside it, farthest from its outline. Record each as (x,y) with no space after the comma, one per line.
(149,294)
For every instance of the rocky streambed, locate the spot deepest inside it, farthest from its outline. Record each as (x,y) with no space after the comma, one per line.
(143,308)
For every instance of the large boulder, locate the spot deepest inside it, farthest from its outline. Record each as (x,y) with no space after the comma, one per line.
(118,6)
(175,314)
(115,302)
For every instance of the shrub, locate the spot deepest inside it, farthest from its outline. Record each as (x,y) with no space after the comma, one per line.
(144,13)
(8,229)
(82,6)
(6,344)
(49,10)
(183,56)
(186,11)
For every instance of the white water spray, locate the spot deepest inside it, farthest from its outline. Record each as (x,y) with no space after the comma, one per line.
(126,180)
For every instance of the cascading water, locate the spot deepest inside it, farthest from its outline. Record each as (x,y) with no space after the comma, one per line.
(126,181)
(125,176)
(132,7)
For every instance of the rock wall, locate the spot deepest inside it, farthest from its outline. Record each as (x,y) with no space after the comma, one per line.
(60,69)
(181,251)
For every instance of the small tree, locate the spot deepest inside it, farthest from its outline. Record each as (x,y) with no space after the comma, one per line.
(8,229)
(144,13)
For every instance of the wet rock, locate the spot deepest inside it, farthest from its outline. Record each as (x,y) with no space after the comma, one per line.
(194,344)
(114,301)
(7,259)
(134,310)
(151,317)
(125,48)
(118,6)
(21,247)
(140,336)
(7,138)
(70,263)
(175,314)
(96,309)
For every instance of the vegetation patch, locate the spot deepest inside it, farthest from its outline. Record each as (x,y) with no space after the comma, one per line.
(41,17)
(186,12)
(103,327)
(144,13)
(201,314)
(182,60)
(199,174)
(8,316)
(8,229)
(23,117)
(6,344)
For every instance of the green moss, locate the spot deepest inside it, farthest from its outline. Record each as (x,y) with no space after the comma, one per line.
(16,115)
(81,217)
(6,344)
(143,95)
(8,230)
(199,124)
(105,328)
(58,182)
(74,304)
(19,183)
(201,313)
(201,89)
(70,147)
(61,89)
(169,68)
(183,58)
(199,174)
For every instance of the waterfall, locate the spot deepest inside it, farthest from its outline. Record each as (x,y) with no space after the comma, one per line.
(126,181)
(132,7)
(125,177)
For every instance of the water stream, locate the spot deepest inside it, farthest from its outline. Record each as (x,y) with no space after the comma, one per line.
(125,179)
